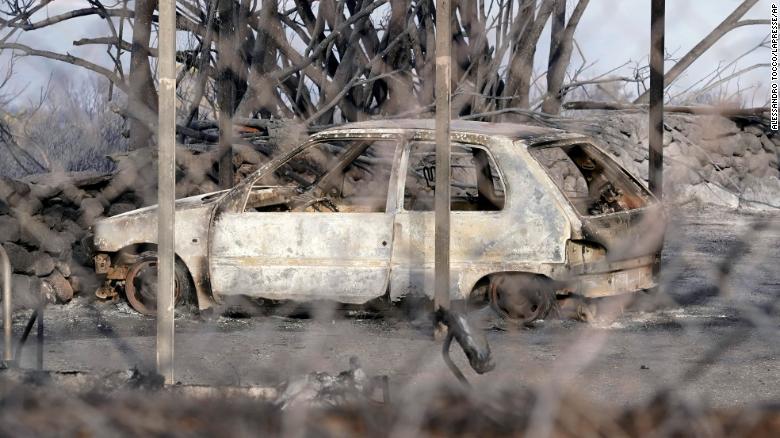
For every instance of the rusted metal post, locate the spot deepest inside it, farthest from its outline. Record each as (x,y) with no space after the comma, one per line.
(441,296)
(8,353)
(656,116)
(166,190)
(39,338)
(227,68)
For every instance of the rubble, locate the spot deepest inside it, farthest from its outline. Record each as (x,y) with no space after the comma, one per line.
(41,225)
(9,229)
(63,290)
(707,159)
(709,193)
(132,404)
(323,389)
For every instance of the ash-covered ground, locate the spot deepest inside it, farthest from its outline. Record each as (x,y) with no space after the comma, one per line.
(707,344)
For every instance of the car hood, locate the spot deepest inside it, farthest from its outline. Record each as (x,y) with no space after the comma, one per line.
(181,205)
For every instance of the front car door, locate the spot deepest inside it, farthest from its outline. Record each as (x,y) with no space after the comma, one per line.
(315,227)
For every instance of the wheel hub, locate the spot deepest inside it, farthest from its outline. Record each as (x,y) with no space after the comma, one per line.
(141,286)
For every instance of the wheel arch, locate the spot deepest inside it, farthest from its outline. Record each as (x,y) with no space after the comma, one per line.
(519,296)
(481,285)
(203,295)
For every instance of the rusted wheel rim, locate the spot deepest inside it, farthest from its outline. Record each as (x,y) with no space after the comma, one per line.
(141,286)
(521,307)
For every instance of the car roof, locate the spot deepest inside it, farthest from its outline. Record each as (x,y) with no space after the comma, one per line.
(514,131)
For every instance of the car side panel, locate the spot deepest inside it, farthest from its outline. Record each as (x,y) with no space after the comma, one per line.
(303,256)
(529,234)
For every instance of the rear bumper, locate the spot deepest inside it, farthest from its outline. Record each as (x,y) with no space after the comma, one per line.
(615,278)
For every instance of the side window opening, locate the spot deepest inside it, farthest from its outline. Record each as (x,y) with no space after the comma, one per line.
(590,182)
(475,183)
(353,175)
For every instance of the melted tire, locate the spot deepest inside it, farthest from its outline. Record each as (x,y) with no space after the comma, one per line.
(140,288)
(522,298)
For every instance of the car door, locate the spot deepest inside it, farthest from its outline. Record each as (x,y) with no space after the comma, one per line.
(477,200)
(318,253)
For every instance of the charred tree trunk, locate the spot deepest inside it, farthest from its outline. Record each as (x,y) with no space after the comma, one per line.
(552,102)
(561,46)
(141,91)
(522,62)
(399,86)
(230,82)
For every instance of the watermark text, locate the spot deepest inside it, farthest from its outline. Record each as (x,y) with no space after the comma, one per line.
(773,105)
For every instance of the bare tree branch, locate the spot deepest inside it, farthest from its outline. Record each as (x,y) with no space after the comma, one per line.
(66,58)
(613,106)
(67,16)
(727,25)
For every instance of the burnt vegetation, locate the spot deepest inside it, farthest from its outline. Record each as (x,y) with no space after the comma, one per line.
(328,62)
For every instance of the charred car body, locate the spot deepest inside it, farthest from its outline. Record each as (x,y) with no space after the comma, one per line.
(348,216)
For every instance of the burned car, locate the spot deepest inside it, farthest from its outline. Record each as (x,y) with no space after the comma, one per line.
(537,215)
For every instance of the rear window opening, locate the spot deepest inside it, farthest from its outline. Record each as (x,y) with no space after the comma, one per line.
(475,182)
(593,183)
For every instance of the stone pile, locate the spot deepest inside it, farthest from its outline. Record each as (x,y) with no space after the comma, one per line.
(707,159)
(42,222)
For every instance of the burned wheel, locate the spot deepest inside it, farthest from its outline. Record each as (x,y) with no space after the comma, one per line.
(141,284)
(522,298)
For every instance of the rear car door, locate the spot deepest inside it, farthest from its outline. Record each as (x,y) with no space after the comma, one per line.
(477,203)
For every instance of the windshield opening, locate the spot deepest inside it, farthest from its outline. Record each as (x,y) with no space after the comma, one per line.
(344,175)
(305,169)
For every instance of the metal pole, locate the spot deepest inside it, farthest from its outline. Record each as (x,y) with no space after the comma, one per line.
(8,353)
(656,121)
(166,190)
(39,340)
(441,298)
(26,333)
